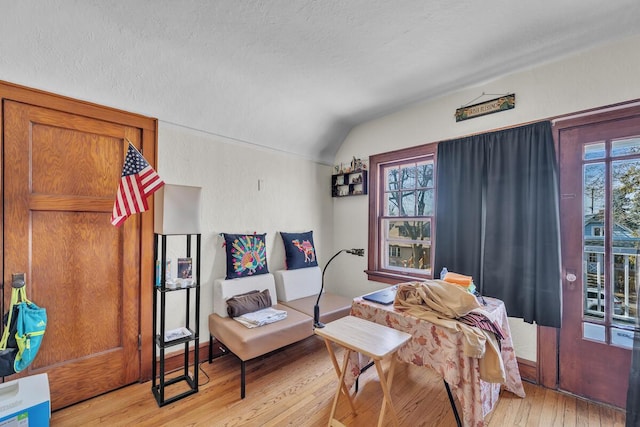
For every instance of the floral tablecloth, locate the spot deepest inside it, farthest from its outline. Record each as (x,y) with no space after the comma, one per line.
(440,348)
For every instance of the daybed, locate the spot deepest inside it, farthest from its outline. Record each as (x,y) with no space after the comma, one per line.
(249,343)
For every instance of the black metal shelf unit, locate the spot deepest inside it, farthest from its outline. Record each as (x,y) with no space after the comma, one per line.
(159,372)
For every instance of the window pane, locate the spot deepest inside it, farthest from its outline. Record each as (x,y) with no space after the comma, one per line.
(391,204)
(425,203)
(625,147)
(594,191)
(622,338)
(391,178)
(593,225)
(408,176)
(594,151)
(408,203)
(625,240)
(411,256)
(425,174)
(409,245)
(397,253)
(398,230)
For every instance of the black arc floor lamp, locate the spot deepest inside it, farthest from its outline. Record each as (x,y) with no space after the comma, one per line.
(316,308)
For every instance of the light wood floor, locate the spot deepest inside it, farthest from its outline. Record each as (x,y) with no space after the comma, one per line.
(295,387)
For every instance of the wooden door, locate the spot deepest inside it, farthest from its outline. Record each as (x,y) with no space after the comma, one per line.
(60,175)
(600,225)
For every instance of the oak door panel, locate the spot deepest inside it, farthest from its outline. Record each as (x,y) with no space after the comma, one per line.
(61,173)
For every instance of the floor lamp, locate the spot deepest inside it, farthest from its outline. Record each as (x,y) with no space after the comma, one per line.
(316,308)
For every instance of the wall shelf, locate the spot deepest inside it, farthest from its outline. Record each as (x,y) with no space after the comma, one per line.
(349,184)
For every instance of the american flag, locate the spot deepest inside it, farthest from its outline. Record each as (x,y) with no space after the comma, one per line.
(138,182)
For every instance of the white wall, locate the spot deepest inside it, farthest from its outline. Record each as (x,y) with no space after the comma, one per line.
(597,77)
(294,196)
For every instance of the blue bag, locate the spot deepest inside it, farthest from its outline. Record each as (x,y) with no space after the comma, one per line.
(24,326)
(31,324)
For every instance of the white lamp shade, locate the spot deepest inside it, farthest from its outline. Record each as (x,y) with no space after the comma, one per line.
(177,210)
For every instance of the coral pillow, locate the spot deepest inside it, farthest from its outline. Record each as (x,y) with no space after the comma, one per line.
(246,255)
(299,250)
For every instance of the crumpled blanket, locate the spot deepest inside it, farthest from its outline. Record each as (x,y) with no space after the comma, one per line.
(441,303)
(261,317)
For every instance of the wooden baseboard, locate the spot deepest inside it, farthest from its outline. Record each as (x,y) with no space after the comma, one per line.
(528,370)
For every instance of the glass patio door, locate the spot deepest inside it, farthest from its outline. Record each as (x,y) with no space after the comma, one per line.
(600,226)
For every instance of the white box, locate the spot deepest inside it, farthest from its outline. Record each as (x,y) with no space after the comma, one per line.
(25,402)
(177,209)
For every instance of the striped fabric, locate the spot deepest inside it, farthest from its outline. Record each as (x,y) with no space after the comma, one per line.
(480,321)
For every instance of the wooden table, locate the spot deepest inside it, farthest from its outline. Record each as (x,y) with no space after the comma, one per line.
(367,338)
(440,349)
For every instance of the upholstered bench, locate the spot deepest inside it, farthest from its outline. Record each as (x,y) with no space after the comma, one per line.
(249,343)
(299,289)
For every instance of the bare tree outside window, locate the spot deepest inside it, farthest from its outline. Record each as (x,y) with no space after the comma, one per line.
(402,220)
(409,208)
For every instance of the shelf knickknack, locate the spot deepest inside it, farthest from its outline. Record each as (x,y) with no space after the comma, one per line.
(351,180)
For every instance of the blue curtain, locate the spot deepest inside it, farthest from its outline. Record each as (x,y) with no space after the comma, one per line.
(498,218)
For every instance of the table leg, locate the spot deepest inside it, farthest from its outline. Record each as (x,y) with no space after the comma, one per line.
(453,403)
(345,390)
(340,385)
(385,383)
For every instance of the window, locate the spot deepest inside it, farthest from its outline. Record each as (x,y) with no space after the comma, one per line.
(394,251)
(402,214)
(610,176)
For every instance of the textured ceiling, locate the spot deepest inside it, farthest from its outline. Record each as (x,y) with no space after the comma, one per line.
(294,75)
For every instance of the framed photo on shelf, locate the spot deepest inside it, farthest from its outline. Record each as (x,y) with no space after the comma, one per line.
(185,271)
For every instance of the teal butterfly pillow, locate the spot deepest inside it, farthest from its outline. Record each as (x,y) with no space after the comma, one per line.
(246,254)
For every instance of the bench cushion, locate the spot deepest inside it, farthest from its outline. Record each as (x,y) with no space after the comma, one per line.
(299,283)
(332,306)
(249,343)
(224,289)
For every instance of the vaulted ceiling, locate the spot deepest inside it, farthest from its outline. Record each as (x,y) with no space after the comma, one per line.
(294,75)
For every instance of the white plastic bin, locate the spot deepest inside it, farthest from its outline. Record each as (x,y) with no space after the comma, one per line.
(25,402)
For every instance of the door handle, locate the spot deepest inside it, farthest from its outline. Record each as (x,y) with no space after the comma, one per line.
(18,280)
(571,278)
